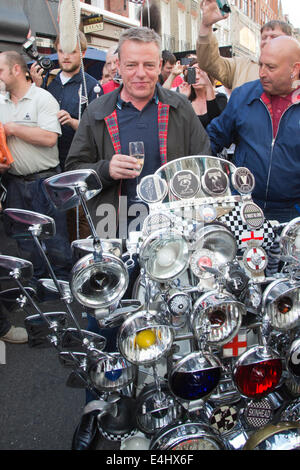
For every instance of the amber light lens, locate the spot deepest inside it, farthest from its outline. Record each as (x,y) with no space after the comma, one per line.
(284,305)
(217,317)
(258,379)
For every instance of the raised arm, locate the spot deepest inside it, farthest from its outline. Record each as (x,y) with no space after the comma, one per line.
(208,55)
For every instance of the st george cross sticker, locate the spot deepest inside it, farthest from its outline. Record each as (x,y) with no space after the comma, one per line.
(237,346)
(254,237)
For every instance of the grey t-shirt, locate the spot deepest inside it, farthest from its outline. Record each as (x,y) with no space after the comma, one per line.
(37,108)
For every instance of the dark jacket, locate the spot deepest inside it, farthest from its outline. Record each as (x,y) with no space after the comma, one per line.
(68,98)
(92,146)
(274,162)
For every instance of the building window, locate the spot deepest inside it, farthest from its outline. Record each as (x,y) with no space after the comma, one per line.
(97,3)
(194,32)
(165,25)
(181,30)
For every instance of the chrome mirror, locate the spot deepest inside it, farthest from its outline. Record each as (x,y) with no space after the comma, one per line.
(20,223)
(11,267)
(71,359)
(45,286)
(84,340)
(66,189)
(41,330)
(13,296)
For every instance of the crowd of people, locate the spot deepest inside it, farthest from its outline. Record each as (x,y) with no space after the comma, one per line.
(146,95)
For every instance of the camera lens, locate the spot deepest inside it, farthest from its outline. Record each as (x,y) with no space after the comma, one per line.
(45,63)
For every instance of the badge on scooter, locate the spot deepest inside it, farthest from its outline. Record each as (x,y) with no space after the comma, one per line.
(185,184)
(293,360)
(252,215)
(243,180)
(258,413)
(156,221)
(224,418)
(152,189)
(207,213)
(255,259)
(215,182)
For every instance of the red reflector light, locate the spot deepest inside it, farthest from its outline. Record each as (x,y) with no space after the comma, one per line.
(258,379)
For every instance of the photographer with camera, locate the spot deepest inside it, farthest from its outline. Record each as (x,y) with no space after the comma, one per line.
(235,71)
(29,118)
(199,89)
(68,89)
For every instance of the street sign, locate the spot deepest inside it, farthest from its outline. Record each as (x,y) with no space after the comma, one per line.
(93,23)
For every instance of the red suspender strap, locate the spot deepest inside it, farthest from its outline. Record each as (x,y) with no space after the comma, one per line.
(113,129)
(163,120)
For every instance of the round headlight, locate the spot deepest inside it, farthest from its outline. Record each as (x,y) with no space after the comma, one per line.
(195,376)
(143,338)
(257,372)
(164,255)
(281,304)
(290,239)
(222,313)
(111,373)
(187,436)
(281,436)
(219,240)
(99,284)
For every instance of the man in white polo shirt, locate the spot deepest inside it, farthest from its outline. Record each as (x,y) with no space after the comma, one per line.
(29,116)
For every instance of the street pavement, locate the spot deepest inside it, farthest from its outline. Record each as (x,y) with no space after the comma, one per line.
(37,410)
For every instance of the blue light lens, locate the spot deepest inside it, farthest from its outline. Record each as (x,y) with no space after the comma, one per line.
(195,385)
(113,375)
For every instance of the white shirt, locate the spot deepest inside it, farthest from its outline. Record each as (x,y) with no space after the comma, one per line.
(38,108)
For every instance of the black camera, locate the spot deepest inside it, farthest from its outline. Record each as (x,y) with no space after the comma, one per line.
(223,7)
(191,75)
(31,50)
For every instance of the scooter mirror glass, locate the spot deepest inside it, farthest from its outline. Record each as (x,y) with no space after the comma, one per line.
(19,223)
(11,266)
(65,188)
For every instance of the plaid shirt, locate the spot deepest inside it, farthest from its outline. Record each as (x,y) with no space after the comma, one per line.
(163,119)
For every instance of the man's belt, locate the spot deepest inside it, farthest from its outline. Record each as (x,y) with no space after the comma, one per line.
(35,176)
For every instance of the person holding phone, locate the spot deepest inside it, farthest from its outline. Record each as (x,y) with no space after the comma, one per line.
(230,71)
(199,88)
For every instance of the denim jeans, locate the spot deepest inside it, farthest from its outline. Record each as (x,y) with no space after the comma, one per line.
(31,195)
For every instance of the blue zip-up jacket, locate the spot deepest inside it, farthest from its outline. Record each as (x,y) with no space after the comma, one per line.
(275,162)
